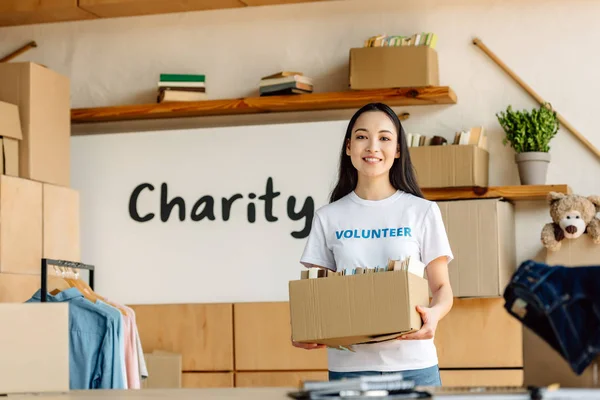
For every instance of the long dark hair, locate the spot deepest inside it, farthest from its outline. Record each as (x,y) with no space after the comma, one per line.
(402,174)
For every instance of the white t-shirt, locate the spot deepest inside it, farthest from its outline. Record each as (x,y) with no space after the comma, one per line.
(353,232)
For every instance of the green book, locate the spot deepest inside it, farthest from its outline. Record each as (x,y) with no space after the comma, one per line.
(182,78)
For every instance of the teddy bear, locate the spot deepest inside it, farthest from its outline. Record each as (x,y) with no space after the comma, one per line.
(572,216)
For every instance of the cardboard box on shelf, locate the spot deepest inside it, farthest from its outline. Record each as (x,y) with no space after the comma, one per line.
(542,365)
(164,370)
(482,239)
(10,138)
(21,225)
(393,67)
(352,309)
(34,343)
(61,223)
(43,98)
(450,166)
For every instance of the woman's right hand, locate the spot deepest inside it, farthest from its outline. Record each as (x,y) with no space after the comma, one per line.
(308,346)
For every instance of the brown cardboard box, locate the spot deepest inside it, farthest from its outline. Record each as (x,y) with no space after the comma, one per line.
(17,288)
(542,364)
(9,156)
(43,98)
(61,223)
(345,310)
(450,166)
(164,370)
(21,225)
(482,239)
(34,344)
(393,67)
(10,137)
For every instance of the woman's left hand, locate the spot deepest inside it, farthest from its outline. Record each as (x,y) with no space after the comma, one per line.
(430,319)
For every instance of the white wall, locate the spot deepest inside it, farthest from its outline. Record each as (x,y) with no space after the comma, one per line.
(224,259)
(118,61)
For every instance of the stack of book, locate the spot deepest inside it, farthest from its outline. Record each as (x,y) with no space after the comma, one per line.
(417,39)
(181,87)
(285,83)
(410,264)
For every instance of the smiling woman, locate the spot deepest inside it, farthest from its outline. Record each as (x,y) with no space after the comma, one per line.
(372,152)
(376,145)
(377,213)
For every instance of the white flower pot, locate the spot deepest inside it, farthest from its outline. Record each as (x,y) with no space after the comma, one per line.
(533,167)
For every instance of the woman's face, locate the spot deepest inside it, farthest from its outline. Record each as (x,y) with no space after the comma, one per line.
(373,144)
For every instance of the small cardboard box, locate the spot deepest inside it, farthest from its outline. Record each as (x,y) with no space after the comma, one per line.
(450,166)
(44,100)
(164,370)
(393,67)
(34,344)
(482,238)
(542,365)
(10,137)
(353,309)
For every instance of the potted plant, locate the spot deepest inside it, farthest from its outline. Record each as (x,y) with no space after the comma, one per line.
(529,134)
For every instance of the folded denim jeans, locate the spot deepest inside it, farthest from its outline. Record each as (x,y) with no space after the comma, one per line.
(561,305)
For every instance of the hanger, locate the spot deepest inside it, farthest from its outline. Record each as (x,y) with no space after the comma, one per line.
(72,279)
(89,293)
(67,278)
(57,283)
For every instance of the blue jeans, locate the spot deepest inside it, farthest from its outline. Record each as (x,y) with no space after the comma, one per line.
(422,377)
(561,305)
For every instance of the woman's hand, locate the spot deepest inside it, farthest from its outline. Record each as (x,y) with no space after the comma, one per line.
(442,299)
(430,319)
(308,346)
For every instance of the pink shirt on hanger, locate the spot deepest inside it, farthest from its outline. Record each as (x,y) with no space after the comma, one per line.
(131,348)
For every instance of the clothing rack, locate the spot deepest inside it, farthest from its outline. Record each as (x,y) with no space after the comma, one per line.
(62,263)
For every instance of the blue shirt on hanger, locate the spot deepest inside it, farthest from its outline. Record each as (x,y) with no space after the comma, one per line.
(119,347)
(93,342)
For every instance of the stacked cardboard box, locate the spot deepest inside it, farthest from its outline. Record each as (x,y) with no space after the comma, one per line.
(482,238)
(38,209)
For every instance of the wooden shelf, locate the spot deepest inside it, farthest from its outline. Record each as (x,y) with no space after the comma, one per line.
(511,193)
(20,12)
(267,104)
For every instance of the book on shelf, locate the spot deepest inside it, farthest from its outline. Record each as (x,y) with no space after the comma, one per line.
(285,83)
(181,87)
(474,136)
(182,78)
(416,39)
(180,95)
